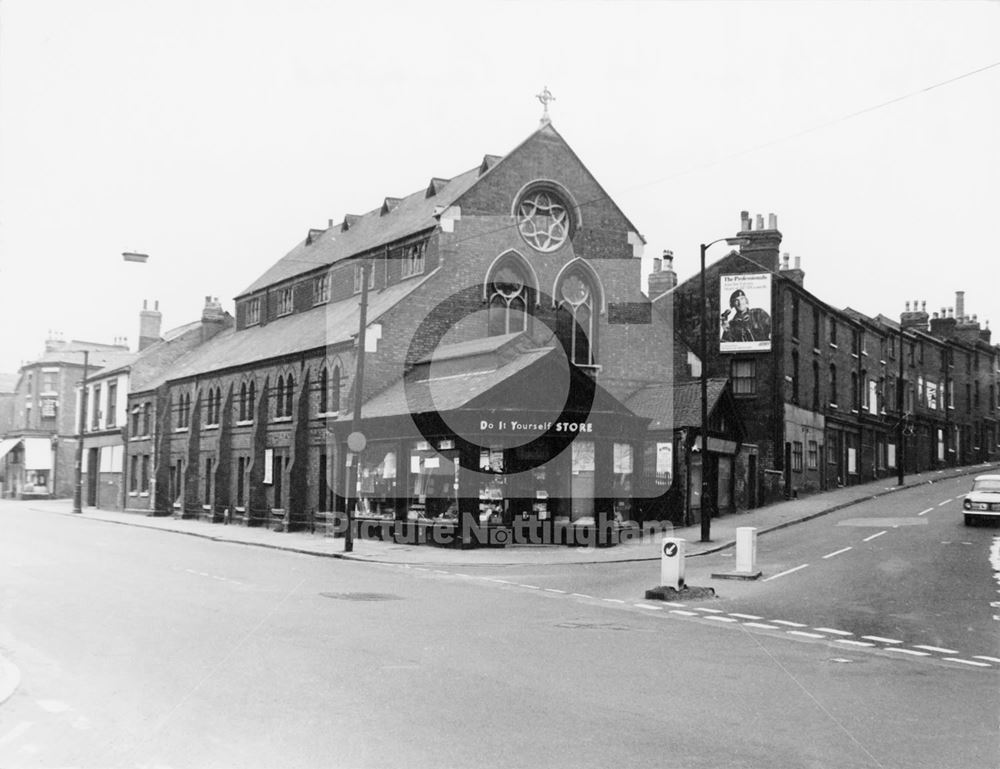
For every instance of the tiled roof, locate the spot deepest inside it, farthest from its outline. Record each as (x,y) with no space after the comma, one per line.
(408,216)
(670,406)
(318,327)
(446,393)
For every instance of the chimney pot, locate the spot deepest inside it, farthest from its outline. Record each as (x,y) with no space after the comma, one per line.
(907,305)
(744,221)
(923,306)
(798,262)
(760,221)
(772,222)
(657,264)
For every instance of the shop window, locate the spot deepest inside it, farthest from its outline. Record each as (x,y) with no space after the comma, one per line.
(582,481)
(491,484)
(743,373)
(376,482)
(434,483)
(658,463)
(508,298)
(576,324)
(813,456)
(622,503)
(797,456)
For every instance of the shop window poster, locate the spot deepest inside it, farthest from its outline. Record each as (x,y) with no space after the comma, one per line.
(745,319)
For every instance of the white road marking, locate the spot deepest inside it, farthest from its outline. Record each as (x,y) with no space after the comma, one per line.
(710,611)
(582,595)
(838,552)
(942,504)
(440,571)
(880,639)
(908,651)
(869,539)
(833,631)
(924,512)
(681,605)
(462,575)
(613,600)
(744,616)
(789,571)
(648,606)
(504,582)
(717,618)
(935,649)
(988,659)
(854,643)
(530,587)
(684,613)
(761,625)
(967,662)
(804,634)
(16,732)
(786,622)
(554,590)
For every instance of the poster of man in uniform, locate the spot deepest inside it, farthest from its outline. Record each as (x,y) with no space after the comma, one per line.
(745,320)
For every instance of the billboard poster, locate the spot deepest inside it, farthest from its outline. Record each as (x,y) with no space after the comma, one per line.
(745,317)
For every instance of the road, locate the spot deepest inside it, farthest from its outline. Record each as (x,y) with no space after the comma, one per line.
(140,648)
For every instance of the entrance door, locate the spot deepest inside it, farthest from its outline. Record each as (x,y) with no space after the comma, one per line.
(93,470)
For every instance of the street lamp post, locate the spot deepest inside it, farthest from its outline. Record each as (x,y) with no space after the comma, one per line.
(356,440)
(82,425)
(706,507)
(900,432)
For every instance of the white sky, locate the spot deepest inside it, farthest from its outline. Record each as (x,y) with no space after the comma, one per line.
(213,134)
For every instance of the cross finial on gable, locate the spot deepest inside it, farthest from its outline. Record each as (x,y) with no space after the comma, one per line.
(545,97)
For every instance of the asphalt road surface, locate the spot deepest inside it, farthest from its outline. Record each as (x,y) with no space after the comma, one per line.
(141,648)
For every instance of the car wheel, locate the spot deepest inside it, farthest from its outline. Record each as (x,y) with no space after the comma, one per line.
(969,519)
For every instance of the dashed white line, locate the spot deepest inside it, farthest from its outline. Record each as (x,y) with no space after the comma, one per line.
(924,512)
(440,571)
(935,649)
(804,634)
(684,613)
(462,575)
(967,662)
(786,622)
(681,605)
(582,595)
(838,552)
(789,571)
(942,504)
(648,606)
(613,600)
(718,618)
(880,639)
(833,631)
(908,651)
(554,590)
(852,642)
(988,659)
(744,616)
(761,625)
(530,587)
(710,611)
(504,582)
(869,539)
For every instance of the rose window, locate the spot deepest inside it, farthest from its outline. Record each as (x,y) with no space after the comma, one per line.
(543,221)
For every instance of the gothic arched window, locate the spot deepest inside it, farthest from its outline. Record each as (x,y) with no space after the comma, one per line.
(289,390)
(508,297)
(279,401)
(243,402)
(335,390)
(576,325)
(324,393)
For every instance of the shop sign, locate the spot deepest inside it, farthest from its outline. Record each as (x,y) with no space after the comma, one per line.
(513,425)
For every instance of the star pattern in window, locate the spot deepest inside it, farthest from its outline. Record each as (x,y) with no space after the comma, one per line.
(543,221)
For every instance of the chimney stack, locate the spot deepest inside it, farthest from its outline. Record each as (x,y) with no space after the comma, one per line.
(763,246)
(149,324)
(663,278)
(213,318)
(960,306)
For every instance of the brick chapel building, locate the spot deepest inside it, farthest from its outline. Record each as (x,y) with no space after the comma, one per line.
(504,331)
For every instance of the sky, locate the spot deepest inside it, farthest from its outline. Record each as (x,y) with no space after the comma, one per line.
(211,135)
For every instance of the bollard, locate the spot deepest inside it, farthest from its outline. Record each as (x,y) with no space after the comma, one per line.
(746,549)
(672,562)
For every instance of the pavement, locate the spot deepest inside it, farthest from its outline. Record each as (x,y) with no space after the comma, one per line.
(723,531)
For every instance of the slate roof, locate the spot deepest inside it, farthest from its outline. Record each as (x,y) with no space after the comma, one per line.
(299,332)
(72,353)
(445,393)
(670,406)
(408,216)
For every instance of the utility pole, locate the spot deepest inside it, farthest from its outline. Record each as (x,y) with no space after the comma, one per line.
(356,440)
(78,480)
(900,432)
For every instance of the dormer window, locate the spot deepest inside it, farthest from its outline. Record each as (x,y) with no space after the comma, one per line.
(413,260)
(285,301)
(358,273)
(253,311)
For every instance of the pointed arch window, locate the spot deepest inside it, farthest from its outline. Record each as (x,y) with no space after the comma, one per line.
(243,402)
(509,300)
(324,391)
(279,401)
(576,325)
(251,399)
(289,390)
(335,390)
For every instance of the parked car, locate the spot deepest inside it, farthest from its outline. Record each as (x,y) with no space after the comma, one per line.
(983,499)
